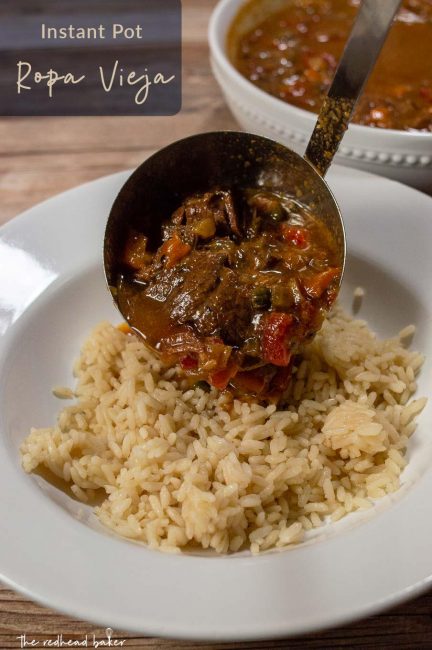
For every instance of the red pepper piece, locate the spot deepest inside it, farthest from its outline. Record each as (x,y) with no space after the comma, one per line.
(188,362)
(318,283)
(274,338)
(295,235)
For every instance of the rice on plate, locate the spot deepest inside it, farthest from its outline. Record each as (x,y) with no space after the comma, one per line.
(177,467)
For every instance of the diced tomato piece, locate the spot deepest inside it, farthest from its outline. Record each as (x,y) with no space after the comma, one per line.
(221,378)
(174,250)
(274,338)
(250,381)
(188,362)
(315,285)
(295,235)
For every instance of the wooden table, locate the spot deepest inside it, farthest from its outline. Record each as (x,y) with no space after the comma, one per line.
(40,157)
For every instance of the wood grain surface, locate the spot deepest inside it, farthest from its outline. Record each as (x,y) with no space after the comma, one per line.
(40,157)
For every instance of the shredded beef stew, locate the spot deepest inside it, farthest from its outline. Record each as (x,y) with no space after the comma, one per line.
(240,281)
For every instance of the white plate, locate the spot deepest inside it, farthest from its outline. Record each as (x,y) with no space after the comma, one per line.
(52,549)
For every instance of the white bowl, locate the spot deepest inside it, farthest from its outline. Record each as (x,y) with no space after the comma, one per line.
(405,156)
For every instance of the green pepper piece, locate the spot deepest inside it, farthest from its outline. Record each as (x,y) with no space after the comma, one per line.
(261,298)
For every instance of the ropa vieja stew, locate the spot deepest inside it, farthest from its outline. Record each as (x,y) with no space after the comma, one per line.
(239,283)
(293,54)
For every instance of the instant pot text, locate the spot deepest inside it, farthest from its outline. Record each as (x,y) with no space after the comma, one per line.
(117,30)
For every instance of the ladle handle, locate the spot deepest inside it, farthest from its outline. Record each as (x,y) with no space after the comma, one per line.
(359,56)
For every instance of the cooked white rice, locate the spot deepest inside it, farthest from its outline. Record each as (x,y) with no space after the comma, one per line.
(178,466)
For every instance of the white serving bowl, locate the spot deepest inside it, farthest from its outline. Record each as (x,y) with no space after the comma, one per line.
(405,156)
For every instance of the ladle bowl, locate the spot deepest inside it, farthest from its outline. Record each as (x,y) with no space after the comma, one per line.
(224,160)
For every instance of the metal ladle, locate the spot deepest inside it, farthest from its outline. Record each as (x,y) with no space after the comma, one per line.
(230,160)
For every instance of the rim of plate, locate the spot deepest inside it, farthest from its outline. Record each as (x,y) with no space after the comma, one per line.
(56,560)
